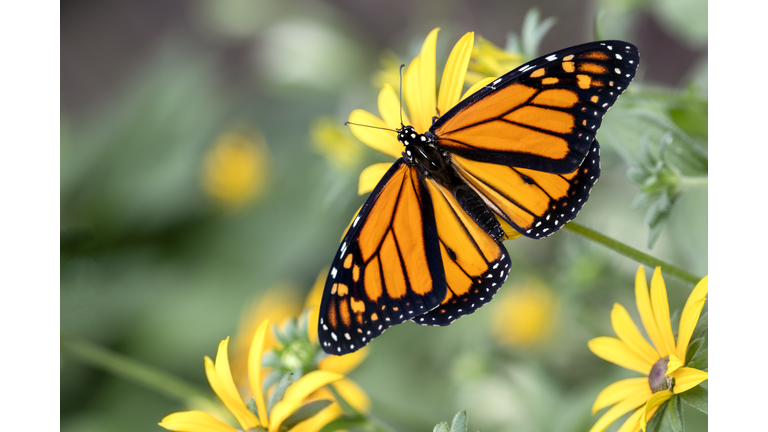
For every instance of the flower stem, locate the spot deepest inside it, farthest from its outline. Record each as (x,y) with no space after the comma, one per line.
(128,368)
(632,253)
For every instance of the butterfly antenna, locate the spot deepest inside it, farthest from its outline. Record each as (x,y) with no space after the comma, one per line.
(346,123)
(401,95)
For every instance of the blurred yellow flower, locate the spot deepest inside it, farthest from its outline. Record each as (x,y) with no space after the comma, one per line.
(332,139)
(525,315)
(662,366)
(223,385)
(235,169)
(390,72)
(488,60)
(424,103)
(281,304)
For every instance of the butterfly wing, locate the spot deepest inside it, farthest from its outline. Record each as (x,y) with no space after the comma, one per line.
(542,116)
(535,203)
(475,264)
(388,268)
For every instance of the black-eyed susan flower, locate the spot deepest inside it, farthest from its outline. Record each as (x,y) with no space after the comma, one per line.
(296,349)
(250,416)
(235,169)
(525,314)
(488,60)
(424,102)
(662,363)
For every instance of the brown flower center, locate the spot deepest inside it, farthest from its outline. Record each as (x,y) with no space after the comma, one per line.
(657,379)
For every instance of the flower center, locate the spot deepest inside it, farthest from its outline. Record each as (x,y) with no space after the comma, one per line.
(657,379)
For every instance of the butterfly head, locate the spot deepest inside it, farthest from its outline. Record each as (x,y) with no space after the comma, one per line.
(408,136)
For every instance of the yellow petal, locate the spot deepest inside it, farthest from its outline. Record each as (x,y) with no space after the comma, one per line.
(477,86)
(643,299)
(390,108)
(382,140)
(654,402)
(690,316)
(343,364)
(312,303)
(420,85)
(673,364)
(632,424)
(220,379)
(353,394)
(254,371)
(194,421)
(317,421)
(371,176)
(617,411)
(453,75)
(688,378)
(296,394)
(617,352)
(628,332)
(660,305)
(621,390)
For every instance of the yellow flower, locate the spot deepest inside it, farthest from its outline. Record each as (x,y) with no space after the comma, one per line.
(488,60)
(662,366)
(332,140)
(234,170)
(223,385)
(424,103)
(279,305)
(524,315)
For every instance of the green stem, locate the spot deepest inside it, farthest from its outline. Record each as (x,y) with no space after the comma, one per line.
(632,253)
(128,368)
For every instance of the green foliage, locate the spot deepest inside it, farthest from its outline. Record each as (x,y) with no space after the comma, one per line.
(697,397)
(533,31)
(459,424)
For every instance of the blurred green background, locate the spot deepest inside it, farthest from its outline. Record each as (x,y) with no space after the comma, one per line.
(160,255)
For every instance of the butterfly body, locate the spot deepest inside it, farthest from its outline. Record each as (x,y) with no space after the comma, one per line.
(427,244)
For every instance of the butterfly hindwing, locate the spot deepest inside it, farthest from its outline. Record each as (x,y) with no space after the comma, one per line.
(475,264)
(388,267)
(544,114)
(535,203)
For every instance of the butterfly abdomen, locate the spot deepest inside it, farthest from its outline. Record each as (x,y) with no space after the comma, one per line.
(476,208)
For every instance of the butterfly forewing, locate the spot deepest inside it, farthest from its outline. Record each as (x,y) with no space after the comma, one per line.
(388,268)
(543,115)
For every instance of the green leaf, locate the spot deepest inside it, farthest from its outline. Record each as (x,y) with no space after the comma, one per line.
(344,423)
(279,392)
(696,397)
(441,427)
(702,326)
(657,423)
(306,411)
(699,358)
(533,31)
(674,415)
(459,422)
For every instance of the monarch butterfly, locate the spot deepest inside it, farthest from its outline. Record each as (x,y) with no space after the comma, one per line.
(427,244)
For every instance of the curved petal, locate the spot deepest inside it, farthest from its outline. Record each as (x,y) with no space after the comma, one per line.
(660,305)
(382,140)
(194,421)
(390,108)
(420,85)
(317,421)
(617,352)
(353,394)
(254,370)
(477,86)
(654,402)
(617,411)
(690,316)
(454,73)
(688,378)
(632,424)
(621,390)
(643,300)
(220,379)
(627,331)
(371,176)
(673,364)
(296,394)
(343,364)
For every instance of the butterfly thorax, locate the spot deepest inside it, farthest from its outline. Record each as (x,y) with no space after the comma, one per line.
(423,153)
